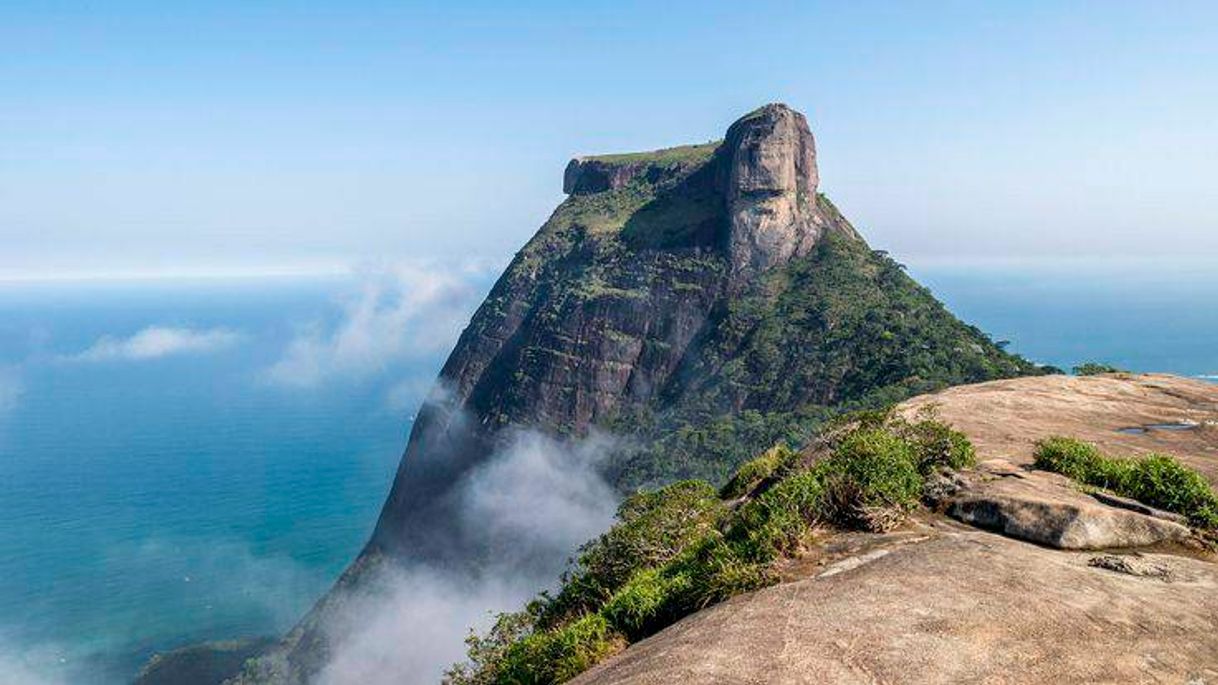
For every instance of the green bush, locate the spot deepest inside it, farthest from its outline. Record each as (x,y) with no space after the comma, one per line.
(556,656)
(1080,461)
(870,480)
(775,522)
(1095,369)
(652,528)
(1163,482)
(1156,479)
(756,471)
(646,601)
(938,445)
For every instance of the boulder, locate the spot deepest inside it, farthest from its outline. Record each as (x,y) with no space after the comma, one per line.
(1049,509)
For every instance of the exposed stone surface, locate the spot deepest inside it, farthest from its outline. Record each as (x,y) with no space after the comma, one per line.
(1048,509)
(770,185)
(961,606)
(1005,418)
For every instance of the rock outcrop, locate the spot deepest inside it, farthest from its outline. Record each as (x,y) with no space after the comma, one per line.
(1007,599)
(951,606)
(770,180)
(1048,509)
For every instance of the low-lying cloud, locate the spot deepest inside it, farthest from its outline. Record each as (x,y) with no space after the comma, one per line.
(534,502)
(396,313)
(155,342)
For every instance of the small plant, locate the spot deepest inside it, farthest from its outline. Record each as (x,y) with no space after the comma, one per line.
(870,480)
(757,470)
(1095,369)
(1156,479)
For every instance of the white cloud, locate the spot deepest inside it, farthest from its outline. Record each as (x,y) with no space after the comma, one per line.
(11,388)
(396,313)
(155,342)
(533,502)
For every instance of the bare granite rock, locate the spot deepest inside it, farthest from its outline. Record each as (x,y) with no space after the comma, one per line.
(1117,412)
(958,606)
(770,186)
(1048,509)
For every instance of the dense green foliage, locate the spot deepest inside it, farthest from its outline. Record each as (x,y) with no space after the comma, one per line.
(676,550)
(867,336)
(1156,479)
(1095,369)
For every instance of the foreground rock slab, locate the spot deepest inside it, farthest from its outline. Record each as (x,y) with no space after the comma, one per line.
(962,606)
(1125,414)
(1049,509)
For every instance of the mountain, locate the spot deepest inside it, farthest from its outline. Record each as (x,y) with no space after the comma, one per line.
(698,303)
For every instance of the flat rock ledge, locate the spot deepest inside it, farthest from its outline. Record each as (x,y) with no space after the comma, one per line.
(1049,509)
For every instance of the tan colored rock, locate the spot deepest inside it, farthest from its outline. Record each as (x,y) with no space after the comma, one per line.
(1004,419)
(771,179)
(1049,509)
(962,606)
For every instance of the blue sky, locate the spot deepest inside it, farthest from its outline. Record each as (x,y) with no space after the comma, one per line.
(230,136)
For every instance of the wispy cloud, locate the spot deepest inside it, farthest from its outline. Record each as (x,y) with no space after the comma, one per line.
(396,313)
(11,388)
(155,342)
(533,501)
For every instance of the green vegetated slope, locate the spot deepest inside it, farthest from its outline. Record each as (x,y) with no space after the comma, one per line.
(639,274)
(686,546)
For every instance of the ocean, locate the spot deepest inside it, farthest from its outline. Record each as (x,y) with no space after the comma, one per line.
(194,460)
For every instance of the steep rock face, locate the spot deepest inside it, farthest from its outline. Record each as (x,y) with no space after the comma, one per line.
(702,301)
(770,187)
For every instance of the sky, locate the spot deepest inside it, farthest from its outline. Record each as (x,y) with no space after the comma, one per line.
(230,137)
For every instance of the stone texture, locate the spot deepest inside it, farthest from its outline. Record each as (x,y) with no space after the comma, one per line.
(1005,418)
(770,182)
(961,606)
(1048,509)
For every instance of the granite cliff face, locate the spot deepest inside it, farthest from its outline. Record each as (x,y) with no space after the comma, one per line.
(701,300)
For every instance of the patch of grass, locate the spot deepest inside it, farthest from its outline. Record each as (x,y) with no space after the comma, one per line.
(1155,479)
(556,656)
(871,480)
(672,155)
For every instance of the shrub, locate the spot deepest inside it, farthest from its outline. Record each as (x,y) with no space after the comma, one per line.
(646,602)
(1095,369)
(652,528)
(756,471)
(1163,482)
(556,656)
(938,445)
(870,480)
(1156,479)
(1079,461)
(775,522)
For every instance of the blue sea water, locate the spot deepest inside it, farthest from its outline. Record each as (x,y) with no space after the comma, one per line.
(151,501)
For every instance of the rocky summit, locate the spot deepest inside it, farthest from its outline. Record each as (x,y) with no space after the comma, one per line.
(695,302)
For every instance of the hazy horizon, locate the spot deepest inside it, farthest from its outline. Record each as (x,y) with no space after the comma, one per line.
(306,138)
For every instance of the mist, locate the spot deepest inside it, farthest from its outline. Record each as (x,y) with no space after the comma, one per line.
(534,501)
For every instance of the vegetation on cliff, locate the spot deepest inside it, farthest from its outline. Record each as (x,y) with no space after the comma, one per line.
(1156,479)
(683,547)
